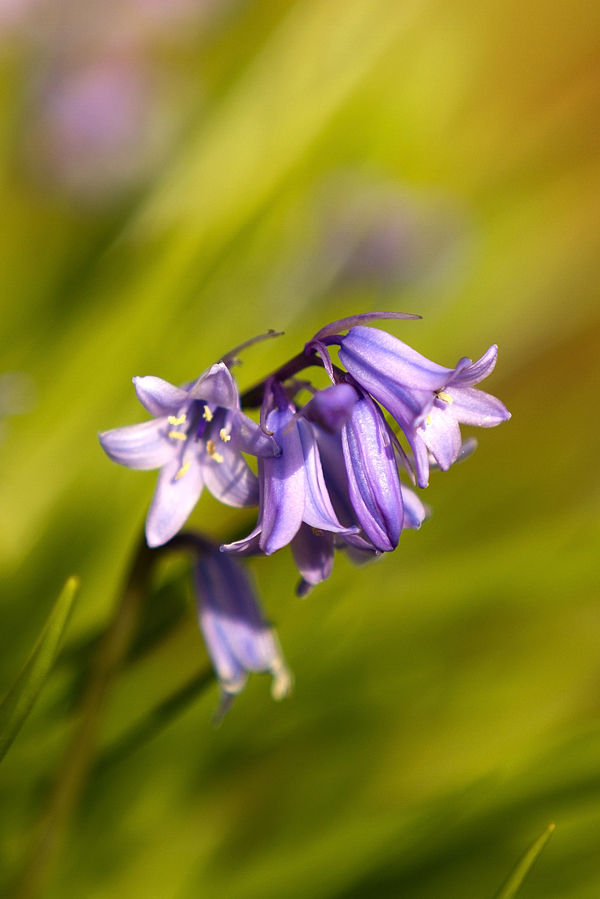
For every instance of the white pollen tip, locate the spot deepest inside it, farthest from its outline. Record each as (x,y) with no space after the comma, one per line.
(283,680)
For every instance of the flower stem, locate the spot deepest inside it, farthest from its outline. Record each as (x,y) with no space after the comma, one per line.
(253,397)
(78,758)
(157,720)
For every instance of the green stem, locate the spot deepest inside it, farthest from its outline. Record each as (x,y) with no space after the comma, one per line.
(78,758)
(155,721)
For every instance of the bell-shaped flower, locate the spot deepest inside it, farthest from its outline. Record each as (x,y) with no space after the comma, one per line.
(238,638)
(382,508)
(427,400)
(292,487)
(372,471)
(196,437)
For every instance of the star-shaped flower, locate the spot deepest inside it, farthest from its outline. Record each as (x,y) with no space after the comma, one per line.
(196,437)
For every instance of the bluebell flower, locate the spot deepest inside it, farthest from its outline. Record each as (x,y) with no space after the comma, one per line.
(237,636)
(196,437)
(372,471)
(428,401)
(292,487)
(360,471)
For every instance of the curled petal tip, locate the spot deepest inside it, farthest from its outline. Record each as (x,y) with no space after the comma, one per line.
(303,589)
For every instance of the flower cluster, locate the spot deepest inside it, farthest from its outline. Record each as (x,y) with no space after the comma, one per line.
(328,470)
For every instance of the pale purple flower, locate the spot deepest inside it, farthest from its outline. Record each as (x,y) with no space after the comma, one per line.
(364,485)
(237,636)
(428,401)
(195,438)
(97,130)
(292,485)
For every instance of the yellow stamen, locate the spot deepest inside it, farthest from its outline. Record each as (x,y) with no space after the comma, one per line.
(429,419)
(177,435)
(176,421)
(212,451)
(445,397)
(207,414)
(224,435)
(183,470)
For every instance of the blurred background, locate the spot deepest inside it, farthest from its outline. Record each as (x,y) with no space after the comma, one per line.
(178,176)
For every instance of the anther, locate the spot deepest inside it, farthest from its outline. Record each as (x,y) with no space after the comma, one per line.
(183,470)
(445,397)
(212,451)
(225,437)
(207,414)
(177,435)
(176,421)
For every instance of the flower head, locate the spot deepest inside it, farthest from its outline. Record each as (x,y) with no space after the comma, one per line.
(195,438)
(237,637)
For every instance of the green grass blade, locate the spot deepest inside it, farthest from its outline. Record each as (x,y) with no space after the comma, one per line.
(19,700)
(524,866)
(156,720)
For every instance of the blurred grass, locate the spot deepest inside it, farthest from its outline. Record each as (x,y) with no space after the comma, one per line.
(447,698)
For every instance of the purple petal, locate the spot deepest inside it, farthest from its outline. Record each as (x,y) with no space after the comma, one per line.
(142,446)
(229,477)
(477,371)
(373,480)
(420,454)
(386,358)
(408,404)
(441,433)
(248,436)
(331,408)
(159,397)
(474,407)
(415,512)
(359,550)
(216,387)
(331,454)
(177,491)
(237,636)
(344,323)
(313,555)
(318,511)
(284,484)
(249,546)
